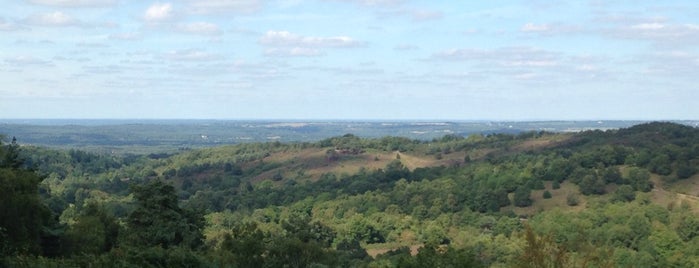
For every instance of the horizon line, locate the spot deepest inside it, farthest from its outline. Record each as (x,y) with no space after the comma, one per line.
(351,119)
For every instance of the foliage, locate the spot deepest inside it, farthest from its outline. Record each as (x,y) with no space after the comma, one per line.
(546,195)
(288,204)
(522,197)
(158,221)
(23,216)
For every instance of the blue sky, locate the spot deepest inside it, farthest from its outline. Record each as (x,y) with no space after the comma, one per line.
(350,59)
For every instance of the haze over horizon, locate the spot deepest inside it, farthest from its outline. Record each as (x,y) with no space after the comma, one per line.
(349,59)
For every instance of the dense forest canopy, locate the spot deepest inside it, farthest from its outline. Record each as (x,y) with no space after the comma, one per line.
(616,198)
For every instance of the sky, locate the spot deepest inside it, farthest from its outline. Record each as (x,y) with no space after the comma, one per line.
(350,59)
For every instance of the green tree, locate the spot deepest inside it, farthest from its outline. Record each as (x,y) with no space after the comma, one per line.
(639,179)
(556,185)
(624,193)
(611,175)
(661,164)
(94,231)
(244,246)
(522,196)
(158,221)
(541,252)
(572,199)
(687,227)
(591,184)
(546,195)
(685,170)
(23,216)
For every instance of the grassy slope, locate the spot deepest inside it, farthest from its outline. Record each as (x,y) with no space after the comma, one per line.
(310,163)
(305,164)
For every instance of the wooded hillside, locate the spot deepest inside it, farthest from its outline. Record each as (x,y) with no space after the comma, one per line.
(616,198)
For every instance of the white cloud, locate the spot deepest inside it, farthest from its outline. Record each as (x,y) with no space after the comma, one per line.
(404,47)
(287,39)
(293,52)
(665,34)
(75,3)
(53,19)
(103,69)
(518,64)
(9,26)
(375,2)
(549,28)
(531,27)
(423,15)
(190,55)
(506,56)
(91,45)
(530,63)
(671,63)
(397,8)
(19,61)
(587,68)
(283,43)
(417,15)
(222,6)
(648,26)
(159,12)
(199,28)
(125,36)
(525,76)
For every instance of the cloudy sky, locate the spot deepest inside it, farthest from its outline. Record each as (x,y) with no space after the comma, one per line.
(350,59)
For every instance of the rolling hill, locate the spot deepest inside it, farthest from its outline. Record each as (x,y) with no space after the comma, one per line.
(486,198)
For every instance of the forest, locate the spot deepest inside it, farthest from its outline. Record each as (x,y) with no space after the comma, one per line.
(624,197)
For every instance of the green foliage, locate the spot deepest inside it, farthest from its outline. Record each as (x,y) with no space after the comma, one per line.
(244,247)
(639,179)
(156,256)
(541,252)
(94,232)
(660,164)
(158,221)
(687,227)
(431,256)
(23,217)
(262,215)
(546,195)
(555,185)
(685,170)
(624,193)
(592,184)
(572,199)
(522,197)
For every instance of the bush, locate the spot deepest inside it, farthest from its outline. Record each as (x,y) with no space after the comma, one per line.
(624,193)
(556,185)
(547,194)
(572,199)
(522,197)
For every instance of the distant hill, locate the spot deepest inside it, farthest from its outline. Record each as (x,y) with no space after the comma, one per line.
(148,136)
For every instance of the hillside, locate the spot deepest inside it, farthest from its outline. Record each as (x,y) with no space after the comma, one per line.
(625,197)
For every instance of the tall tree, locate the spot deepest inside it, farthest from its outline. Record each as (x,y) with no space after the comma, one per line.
(158,221)
(522,197)
(22,214)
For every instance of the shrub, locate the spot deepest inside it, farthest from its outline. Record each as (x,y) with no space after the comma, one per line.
(572,199)
(547,194)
